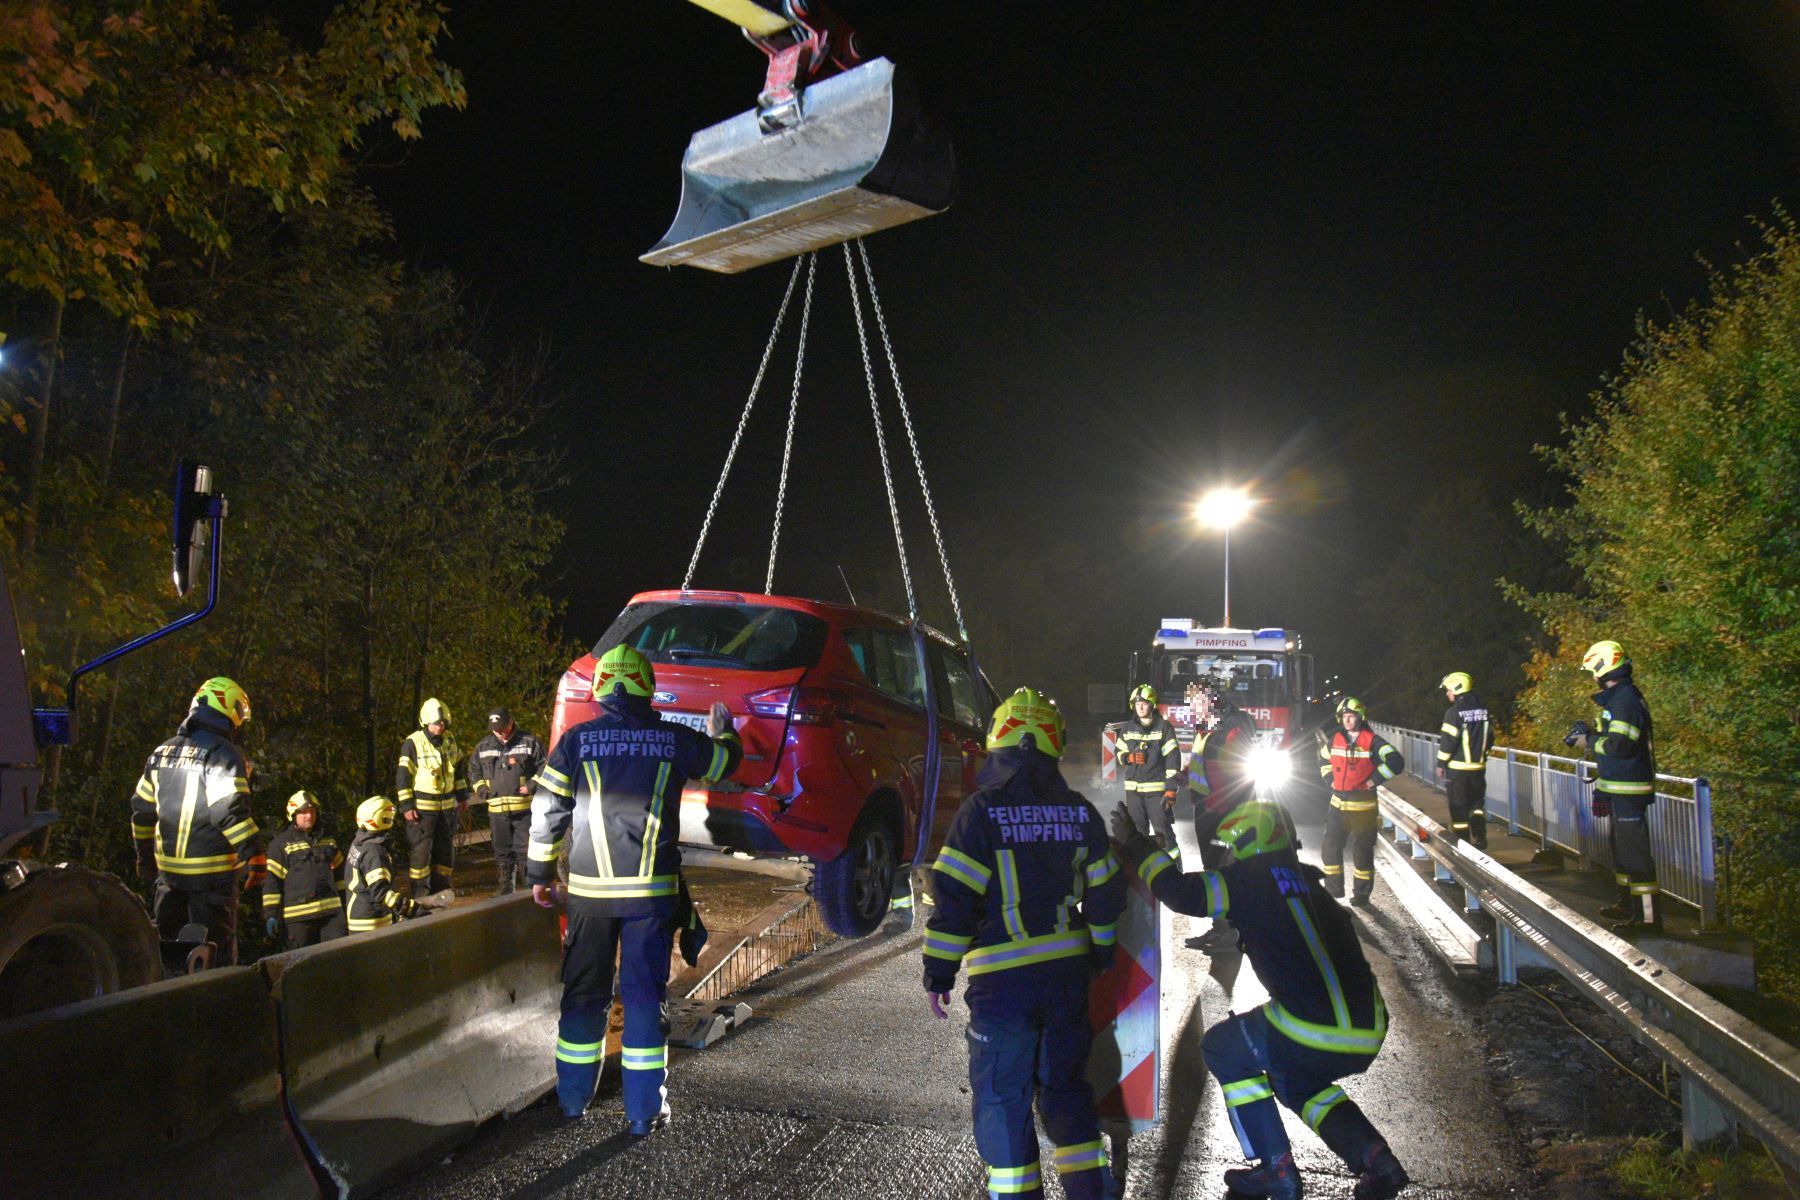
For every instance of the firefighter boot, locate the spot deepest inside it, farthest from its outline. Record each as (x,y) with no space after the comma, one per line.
(1382,1177)
(639,1129)
(1279,1179)
(1642,915)
(1620,908)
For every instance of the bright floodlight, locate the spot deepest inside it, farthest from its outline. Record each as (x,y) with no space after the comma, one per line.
(1223,507)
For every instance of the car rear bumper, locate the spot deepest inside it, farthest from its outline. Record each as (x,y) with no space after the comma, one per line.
(756,823)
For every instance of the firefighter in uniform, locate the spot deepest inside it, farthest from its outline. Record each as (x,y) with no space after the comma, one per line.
(1152,757)
(1625,787)
(368,878)
(303,893)
(501,771)
(1218,779)
(1463,741)
(191,822)
(431,798)
(1028,899)
(1354,761)
(1325,1019)
(624,876)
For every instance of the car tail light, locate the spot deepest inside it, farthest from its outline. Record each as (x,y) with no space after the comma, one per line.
(772,703)
(575,688)
(813,706)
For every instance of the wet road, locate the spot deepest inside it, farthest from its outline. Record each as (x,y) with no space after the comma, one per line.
(844,1086)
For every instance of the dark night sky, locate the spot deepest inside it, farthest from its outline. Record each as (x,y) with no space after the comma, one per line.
(1352,254)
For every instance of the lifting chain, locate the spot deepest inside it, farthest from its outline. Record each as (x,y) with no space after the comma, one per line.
(887,473)
(787,448)
(912,440)
(743,420)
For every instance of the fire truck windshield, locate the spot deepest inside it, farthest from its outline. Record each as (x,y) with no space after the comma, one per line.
(1253,680)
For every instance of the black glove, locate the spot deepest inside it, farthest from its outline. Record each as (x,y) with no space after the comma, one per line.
(408,908)
(1134,846)
(941,984)
(1577,732)
(274,927)
(692,940)
(1100,959)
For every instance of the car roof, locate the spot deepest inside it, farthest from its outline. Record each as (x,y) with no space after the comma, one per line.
(834,608)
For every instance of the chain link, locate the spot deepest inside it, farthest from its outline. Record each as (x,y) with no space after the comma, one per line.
(887,474)
(937,532)
(743,420)
(787,448)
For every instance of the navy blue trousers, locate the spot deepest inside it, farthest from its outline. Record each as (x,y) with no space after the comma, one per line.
(642,945)
(1028,1041)
(1256,1065)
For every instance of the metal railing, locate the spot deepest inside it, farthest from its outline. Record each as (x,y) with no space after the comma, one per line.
(1733,1072)
(1546,796)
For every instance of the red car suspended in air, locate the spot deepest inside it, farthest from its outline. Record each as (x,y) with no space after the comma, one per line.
(862,732)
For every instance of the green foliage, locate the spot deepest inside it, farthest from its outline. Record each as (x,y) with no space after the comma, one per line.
(386,535)
(1651,1169)
(1683,526)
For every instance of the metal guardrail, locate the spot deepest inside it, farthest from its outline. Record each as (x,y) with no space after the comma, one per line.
(1733,1071)
(1546,795)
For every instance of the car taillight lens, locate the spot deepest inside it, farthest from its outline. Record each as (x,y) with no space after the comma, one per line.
(575,687)
(813,706)
(772,703)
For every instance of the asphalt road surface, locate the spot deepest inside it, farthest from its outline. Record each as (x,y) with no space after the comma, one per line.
(843,1085)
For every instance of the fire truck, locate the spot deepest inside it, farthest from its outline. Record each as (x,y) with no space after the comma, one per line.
(1263,670)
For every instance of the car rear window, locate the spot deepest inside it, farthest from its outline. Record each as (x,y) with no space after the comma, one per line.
(740,637)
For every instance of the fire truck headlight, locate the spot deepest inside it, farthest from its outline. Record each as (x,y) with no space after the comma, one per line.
(1269,766)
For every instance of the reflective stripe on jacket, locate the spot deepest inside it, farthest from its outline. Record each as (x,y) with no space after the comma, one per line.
(611,794)
(1354,763)
(1026,874)
(1161,751)
(425,777)
(1465,735)
(1624,742)
(303,875)
(191,807)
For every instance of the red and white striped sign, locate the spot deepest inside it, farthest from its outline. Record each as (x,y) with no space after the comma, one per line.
(1125,1013)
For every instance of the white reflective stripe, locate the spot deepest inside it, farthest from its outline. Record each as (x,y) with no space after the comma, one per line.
(652,822)
(590,771)
(1327,972)
(190,799)
(1009,895)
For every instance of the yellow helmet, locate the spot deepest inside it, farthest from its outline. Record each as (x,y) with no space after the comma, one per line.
(1028,713)
(299,800)
(1259,827)
(377,813)
(624,667)
(1456,683)
(1602,657)
(224,697)
(1142,691)
(1352,704)
(433,711)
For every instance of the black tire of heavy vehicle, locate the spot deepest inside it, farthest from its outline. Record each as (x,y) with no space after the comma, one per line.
(67,934)
(873,853)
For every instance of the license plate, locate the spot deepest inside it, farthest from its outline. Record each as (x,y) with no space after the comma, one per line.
(691,720)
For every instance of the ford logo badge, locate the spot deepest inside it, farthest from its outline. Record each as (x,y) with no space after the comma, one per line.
(665,697)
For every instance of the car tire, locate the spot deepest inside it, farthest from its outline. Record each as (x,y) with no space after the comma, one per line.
(68,934)
(854,889)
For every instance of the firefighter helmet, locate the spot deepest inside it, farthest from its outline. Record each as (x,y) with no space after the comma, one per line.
(1602,657)
(1457,683)
(1352,704)
(433,711)
(1142,691)
(224,697)
(623,667)
(1028,713)
(1258,827)
(377,813)
(299,800)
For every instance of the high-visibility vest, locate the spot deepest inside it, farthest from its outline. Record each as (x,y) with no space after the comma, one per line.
(433,768)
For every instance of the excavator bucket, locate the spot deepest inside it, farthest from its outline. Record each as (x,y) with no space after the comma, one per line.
(861,158)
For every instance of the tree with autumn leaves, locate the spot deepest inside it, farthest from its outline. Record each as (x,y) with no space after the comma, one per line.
(189,268)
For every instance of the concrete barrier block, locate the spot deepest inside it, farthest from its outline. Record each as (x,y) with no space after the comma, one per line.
(398,1043)
(168,1090)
